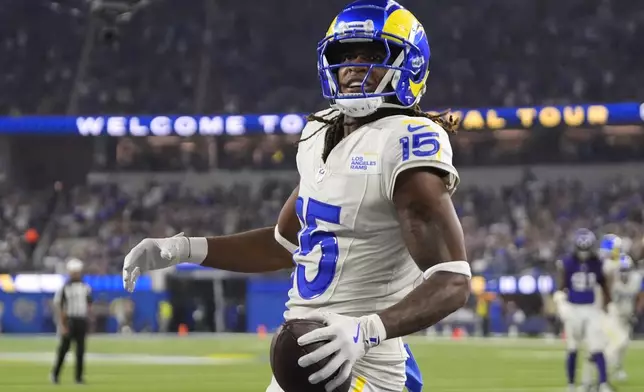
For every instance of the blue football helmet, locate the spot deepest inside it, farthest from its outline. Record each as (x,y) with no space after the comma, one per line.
(610,247)
(626,266)
(407,56)
(625,263)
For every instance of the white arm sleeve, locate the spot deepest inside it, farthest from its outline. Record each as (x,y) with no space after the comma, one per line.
(416,142)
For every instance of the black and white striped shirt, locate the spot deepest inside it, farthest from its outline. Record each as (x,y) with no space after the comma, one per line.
(74,299)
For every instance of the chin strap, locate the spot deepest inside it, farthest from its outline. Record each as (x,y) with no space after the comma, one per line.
(361,107)
(358,107)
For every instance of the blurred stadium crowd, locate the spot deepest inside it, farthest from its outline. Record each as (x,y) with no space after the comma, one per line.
(518,229)
(89,57)
(169,57)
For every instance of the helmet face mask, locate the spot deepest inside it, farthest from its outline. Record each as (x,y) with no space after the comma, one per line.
(584,241)
(358,68)
(404,64)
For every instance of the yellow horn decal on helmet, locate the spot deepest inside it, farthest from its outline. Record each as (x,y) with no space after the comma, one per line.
(417,87)
(399,23)
(331,29)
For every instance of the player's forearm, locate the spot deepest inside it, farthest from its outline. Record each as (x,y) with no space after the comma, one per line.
(561,278)
(250,251)
(561,286)
(639,303)
(436,298)
(607,295)
(62,317)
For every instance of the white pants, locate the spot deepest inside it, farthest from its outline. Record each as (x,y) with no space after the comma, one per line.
(584,324)
(370,377)
(618,333)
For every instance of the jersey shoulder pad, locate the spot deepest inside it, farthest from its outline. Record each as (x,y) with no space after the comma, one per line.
(313,126)
(413,142)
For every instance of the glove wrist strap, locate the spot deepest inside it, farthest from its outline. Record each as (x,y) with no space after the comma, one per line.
(375,331)
(197,249)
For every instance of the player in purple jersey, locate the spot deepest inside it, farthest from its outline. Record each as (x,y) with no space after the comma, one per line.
(580,274)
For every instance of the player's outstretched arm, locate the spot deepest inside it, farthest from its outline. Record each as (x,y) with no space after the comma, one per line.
(251,251)
(257,250)
(434,238)
(561,276)
(560,297)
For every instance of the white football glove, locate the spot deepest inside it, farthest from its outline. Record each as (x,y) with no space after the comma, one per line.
(349,338)
(562,305)
(153,254)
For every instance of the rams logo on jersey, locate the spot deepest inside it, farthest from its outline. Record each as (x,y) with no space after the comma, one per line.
(367,163)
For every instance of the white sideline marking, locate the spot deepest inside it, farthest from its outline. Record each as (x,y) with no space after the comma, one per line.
(136,359)
(524,389)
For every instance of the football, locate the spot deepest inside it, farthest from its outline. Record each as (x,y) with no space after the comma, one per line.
(285,352)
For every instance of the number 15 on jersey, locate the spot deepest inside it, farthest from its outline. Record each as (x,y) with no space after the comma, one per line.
(311,236)
(422,145)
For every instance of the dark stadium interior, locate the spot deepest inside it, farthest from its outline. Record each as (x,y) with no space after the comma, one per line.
(524,190)
(499,53)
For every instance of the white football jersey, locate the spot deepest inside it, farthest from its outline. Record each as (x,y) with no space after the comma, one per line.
(610,267)
(352,259)
(624,293)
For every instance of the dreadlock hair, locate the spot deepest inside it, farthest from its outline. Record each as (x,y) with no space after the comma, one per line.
(335,129)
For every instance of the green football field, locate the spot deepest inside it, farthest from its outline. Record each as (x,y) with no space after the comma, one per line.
(212,363)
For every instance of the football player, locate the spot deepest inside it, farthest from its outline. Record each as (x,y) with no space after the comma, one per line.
(580,273)
(610,249)
(377,244)
(626,292)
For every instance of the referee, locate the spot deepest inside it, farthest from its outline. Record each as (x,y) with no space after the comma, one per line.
(72,303)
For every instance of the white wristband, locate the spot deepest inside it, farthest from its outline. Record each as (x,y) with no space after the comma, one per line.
(197,250)
(288,245)
(457,267)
